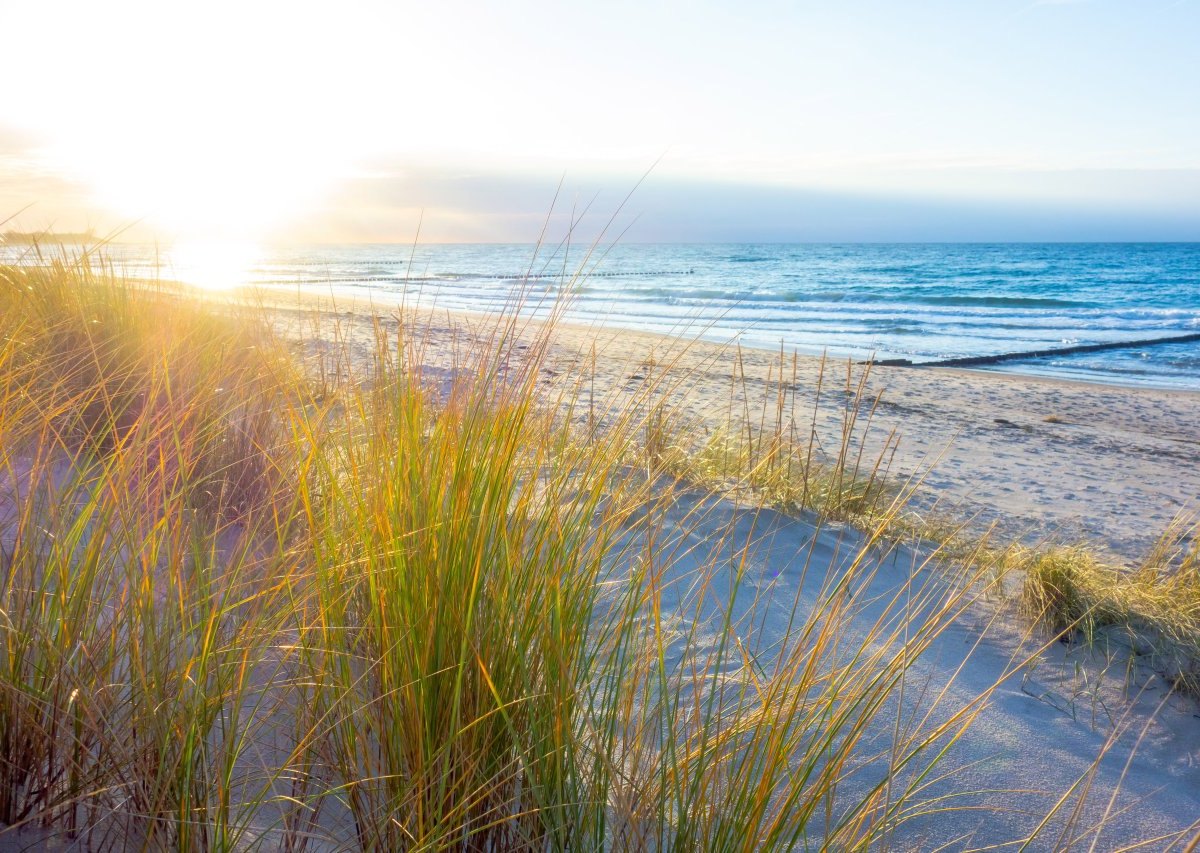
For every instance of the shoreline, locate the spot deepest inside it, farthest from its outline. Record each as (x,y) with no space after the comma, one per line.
(1040,458)
(342,296)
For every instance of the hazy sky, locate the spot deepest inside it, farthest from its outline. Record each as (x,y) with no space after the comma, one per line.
(848,120)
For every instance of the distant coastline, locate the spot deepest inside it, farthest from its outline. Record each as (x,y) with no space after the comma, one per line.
(29,238)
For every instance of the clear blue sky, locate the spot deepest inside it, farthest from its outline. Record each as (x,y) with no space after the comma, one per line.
(850,120)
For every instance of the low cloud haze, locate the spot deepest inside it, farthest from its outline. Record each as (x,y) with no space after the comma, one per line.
(461,206)
(433,205)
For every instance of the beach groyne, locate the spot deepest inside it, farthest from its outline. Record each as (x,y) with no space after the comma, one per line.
(998,358)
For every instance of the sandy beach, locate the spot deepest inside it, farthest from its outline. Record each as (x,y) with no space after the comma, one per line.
(1040,459)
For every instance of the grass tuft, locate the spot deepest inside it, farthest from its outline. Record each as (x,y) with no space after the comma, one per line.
(1152,608)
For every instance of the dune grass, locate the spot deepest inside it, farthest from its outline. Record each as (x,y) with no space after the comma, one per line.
(772,452)
(140,464)
(251,601)
(1153,608)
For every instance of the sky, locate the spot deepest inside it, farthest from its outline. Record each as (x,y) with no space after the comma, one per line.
(470,121)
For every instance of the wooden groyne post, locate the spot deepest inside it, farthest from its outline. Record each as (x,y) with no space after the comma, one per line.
(985,360)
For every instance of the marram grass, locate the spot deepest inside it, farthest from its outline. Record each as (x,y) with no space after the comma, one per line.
(254,601)
(1152,608)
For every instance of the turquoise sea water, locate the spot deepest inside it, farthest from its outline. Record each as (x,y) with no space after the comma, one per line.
(918,301)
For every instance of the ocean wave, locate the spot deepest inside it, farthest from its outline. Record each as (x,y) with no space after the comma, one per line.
(898,298)
(992,301)
(925,301)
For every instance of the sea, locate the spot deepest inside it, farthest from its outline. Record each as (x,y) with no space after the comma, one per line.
(924,302)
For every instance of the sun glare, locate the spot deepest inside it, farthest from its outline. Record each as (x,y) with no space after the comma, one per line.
(204,147)
(205,186)
(212,265)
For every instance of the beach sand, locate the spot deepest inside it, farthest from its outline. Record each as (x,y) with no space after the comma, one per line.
(1041,459)
(1111,467)
(1051,710)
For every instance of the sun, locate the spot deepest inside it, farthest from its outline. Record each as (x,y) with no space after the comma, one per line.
(229,181)
(212,264)
(221,132)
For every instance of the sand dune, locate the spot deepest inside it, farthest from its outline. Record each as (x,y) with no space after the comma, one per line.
(1100,736)
(1037,459)
(1050,711)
